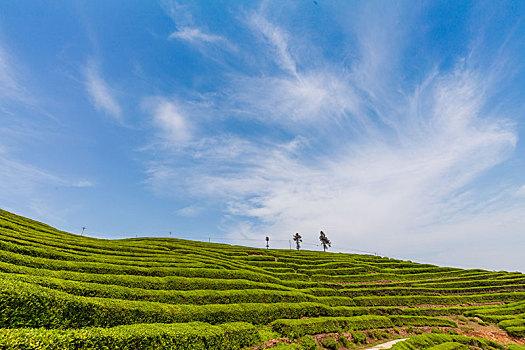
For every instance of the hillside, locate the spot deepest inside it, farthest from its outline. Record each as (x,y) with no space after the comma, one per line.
(64,291)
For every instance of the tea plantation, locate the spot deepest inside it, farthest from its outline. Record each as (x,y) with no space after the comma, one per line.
(64,291)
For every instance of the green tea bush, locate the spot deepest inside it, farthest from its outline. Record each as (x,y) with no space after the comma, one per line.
(195,336)
(449,346)
(330,343)
(308,343)
(426,341)
(421,321)
(358,337)
(345,342)
(295,328)
(144,282)
(516,331)
(196,297)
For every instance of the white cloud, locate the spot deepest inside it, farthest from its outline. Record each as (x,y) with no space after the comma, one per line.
(83,183)
(169,117)
(379,189)
(10,85)
(187,30)
(379,165)
(101,95)
(190,211)
(17,176)
(319,94)
(195,35)
(313,98)
(277,39)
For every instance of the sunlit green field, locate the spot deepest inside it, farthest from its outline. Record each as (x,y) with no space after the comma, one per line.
(64,291)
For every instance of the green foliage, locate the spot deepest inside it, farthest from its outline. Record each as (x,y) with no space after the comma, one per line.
(449,346)
(148,336)
(297,239)
(295,328)
(358,338)
(25,305)
(71,285)
(421,321)
(330,343)
(308,343)
(516,331)
(325,242)
(378,334)
(285,346)
(266,333)
(426,341)
(516,347)
(462,319)
(345,342)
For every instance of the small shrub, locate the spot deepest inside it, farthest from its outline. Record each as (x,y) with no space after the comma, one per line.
(418,331)
(358,338)
(378,334)
(409,329)
(345,342)
(287,347)
(330,343)
(308,343)
(462,319)
(267,333)
(437,331)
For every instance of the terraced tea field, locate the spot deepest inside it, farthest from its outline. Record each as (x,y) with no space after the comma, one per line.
(63,291)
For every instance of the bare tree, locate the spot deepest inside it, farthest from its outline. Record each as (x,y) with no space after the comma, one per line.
(325,242)
(298,239)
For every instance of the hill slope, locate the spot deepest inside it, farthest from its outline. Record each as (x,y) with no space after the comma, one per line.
(60,290)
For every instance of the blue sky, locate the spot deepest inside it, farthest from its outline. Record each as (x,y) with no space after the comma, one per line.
(395,127)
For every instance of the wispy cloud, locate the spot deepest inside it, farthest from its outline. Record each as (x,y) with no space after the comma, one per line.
(170,119)
(101,95)
(379,161)
(10,86)
(195,35)
(83,183)
(190,211)
(187,30)
(18,176)
(277,38)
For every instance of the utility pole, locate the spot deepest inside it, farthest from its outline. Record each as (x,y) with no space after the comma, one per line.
(83,228)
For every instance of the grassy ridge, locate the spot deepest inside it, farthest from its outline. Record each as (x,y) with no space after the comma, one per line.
(60,288)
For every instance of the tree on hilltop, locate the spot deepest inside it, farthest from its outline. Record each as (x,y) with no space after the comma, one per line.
(325,242)
(267,242)
(298,239)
